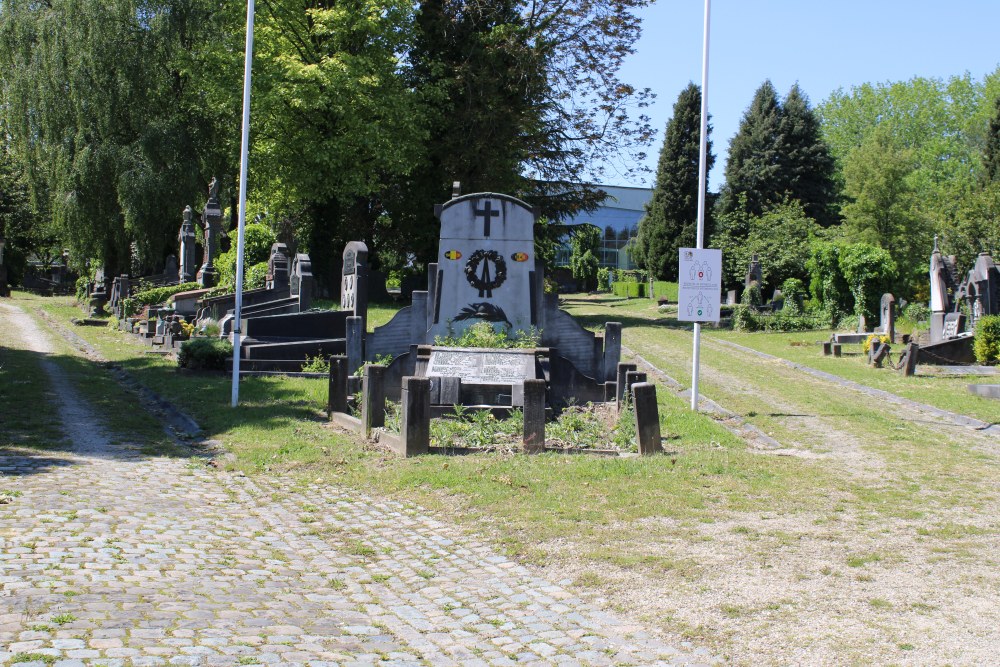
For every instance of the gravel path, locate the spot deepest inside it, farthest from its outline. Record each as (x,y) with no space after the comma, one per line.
(107,557)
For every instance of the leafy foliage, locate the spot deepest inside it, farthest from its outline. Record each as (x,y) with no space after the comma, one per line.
(209,354)
(746,318)
(869,271)
(671,217)
(257,241)
(586,244)
(485,334)
(133,304)
(987,341)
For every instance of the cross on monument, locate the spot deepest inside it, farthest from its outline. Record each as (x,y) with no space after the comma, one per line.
(487,213)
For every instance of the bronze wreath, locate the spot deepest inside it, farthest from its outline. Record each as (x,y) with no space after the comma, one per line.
(472,270)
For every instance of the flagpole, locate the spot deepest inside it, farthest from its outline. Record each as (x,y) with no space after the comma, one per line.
(244,150)
(702,177)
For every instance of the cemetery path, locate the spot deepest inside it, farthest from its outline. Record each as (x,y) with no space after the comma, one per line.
(118,559)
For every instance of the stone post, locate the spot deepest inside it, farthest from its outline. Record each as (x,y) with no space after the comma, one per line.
(355,343)
(534,416)
(836,349)
(415,425)
(647,418)
(373,398)
(909,365)
(186,237)
(632,378)
(337,398)
(623,368)
(827,348)
(612,349)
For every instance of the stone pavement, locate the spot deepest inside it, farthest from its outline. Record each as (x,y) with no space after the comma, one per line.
(109,557)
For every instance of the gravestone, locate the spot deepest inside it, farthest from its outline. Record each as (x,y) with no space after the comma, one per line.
(954,324)
(277,267)
(485,265)
(211,218)
(170,270)
(99,294)
(302,280)
(353,281)
(186,238)
(986,278)
(887,317)
(754,273)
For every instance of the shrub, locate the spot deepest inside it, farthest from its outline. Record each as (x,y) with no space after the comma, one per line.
(752,296)
(747,319)
(484,334)
(987,342)
(208,354)
(604,279)
(917,312)
(317,364)
(629,289)
(134,303)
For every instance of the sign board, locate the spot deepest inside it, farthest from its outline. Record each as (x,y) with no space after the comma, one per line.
(478,366)
(699,285)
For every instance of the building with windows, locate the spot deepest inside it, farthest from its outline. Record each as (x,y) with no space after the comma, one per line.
(618,218)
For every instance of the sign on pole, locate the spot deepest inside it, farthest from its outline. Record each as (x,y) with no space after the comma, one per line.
(699,283)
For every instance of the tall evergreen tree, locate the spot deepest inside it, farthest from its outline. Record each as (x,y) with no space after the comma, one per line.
(671,218)
(753,171)
(807,168)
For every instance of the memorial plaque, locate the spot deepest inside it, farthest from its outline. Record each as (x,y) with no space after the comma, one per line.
(476,366)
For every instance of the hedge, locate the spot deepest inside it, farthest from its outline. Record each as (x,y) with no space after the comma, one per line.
(628,289)
(134,303)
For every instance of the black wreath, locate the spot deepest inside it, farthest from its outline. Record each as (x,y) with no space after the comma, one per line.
(472,270)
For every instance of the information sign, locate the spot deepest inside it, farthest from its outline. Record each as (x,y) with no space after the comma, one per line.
(699,285)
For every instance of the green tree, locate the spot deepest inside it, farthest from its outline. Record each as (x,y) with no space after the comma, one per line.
(806,164)
(671,218)
(869,272)
(101,104)
(586,247)
(826,279)
(882,210)
(991,151)
(753,168)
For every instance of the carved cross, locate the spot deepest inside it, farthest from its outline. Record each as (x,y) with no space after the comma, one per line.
(487,212)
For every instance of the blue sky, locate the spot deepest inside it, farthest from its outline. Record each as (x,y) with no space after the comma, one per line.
(821,44)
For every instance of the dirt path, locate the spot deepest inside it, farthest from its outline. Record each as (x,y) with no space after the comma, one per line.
(113,558)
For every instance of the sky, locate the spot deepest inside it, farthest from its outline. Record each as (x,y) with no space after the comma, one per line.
(822,45)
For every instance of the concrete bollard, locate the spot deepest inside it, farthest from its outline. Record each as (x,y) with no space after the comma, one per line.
(827,349)
(373,398)
(337,396)
(534,416)
(647,418)
(836,349)
(632,378)
(415,426)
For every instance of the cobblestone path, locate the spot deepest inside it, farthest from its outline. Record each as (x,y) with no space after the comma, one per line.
(108,557)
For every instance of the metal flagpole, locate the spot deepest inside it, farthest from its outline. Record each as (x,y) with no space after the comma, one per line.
(244,149)
(702,177)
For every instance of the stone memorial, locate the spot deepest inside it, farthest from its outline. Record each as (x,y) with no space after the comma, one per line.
(211,218)
(187,240)
(887,317)
(353,281)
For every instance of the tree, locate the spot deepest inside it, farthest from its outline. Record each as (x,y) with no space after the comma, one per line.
(869,271)
(882,207)
(584,262)
(100,103)
(522,97)
(671,218)
(22,229)
(991,151)
(806,164)
(753,168)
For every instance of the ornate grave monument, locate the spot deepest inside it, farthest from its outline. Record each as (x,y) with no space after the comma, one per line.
(211,218)
(186,239)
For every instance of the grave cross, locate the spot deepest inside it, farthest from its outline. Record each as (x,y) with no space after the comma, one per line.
(487,212)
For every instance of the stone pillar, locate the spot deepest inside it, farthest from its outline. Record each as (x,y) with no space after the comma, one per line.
(612,349)
(647,418)
(534,416)
(836,349)
(355,343)
(827,348)
(623,368)
(337,397)
(211,218)
(415,426)
(909,364)
(632,378)
(373,398)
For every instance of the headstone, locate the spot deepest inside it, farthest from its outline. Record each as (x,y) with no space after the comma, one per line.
(99,294)
(986,276)
(302,280)
(887,316)
(170,270)
(954,324)
(186,238)
(754,273)
(277,267)
(354,280)
(486,265)
(211,218)
(731,297)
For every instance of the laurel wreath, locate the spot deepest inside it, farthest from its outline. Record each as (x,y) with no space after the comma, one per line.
(472,270)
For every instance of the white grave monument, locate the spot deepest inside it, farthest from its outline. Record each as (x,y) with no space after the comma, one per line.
(486,265)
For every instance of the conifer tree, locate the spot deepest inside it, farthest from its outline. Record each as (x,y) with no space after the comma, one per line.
(807,167)
(754,165)
(670,221)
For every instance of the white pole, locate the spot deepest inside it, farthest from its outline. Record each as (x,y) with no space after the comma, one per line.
(244,150)
(702,177)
